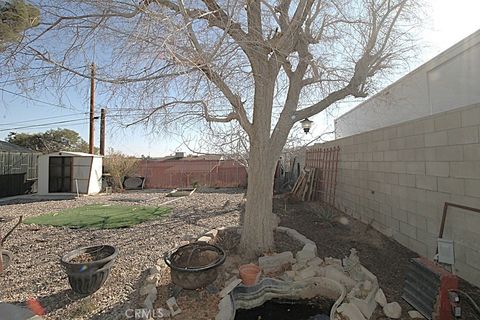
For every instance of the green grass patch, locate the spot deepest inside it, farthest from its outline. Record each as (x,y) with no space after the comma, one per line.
(99,216)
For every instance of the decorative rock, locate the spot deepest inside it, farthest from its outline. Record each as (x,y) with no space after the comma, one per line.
(393,310)
(380,298)
(147,288)
(296,235)
(229,287)
(298,266)
(333,261)
(212,233)
(225,309)
(350,311)
(310,272)
(308,252)
(315,262)
(365,302)
(276,262)
(204,239)
(173,306)
(367,285)
(337,275)
(415,315)
(152,279)
(150,299)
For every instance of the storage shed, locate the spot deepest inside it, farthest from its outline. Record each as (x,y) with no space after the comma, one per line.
(69,172)
(18,169)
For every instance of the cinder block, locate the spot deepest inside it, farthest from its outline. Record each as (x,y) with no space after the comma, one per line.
(406,129)
(451,185)
(467,272)
(426,182)
(472,188)
(393,223)
(463,135)
(416,167)
(429,155)
(389,133)
(448,153)
(391,178)
(418,247)
(400,215)
(438,169)
(433,226)
(415,194)
(396,144)
(424,126)
(465,169)
(467,201)
(472,222)
(418,221)
(448,121)
(471,117)
(407,180)
(401,238)
(376,135)
(390,155)
(435,139)
(415,142)
(427,238)
(399,167)
(377,156)
(471,152)
(406,155)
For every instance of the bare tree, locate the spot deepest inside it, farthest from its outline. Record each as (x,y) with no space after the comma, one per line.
(248,61)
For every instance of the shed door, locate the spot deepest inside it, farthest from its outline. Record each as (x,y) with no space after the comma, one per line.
(60,174)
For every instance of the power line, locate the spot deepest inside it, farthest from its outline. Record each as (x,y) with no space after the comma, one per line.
(45,124)
(39,119)
(33,99)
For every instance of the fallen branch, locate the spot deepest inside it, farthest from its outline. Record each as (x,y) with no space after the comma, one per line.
(10,232)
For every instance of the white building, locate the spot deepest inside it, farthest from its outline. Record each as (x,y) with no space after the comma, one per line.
(69,172)
(447,82)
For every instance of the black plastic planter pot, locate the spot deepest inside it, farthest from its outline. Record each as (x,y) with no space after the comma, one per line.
(195,265)
(88,267)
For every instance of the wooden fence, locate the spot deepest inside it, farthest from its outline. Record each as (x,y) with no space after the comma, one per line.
(325,163)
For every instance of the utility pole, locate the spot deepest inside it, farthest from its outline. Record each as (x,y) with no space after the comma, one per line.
(102,131)
(91,141)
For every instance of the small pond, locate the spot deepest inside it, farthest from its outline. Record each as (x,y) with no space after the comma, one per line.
(277,309)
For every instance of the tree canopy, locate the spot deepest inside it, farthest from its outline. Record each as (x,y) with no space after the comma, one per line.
(16,16)
(50,141)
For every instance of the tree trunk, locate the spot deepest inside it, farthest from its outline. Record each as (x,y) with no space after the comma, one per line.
(258,224)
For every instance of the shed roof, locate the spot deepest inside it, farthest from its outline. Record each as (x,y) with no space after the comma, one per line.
(72,154)
(10,147)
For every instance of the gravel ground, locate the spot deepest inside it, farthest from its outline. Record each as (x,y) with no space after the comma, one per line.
(36,271)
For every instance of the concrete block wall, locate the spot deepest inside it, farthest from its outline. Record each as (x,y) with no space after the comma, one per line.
(398,178)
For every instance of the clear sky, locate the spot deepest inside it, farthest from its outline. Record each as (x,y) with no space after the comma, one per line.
(448,22)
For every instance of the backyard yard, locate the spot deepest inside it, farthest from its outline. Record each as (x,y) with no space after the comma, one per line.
(37,273)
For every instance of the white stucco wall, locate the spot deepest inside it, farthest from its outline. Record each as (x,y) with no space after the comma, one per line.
(447,82)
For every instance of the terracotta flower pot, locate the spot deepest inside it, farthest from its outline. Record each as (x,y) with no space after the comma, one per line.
(249,273)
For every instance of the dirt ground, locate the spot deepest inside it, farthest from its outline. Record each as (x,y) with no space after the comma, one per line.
(384,257)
